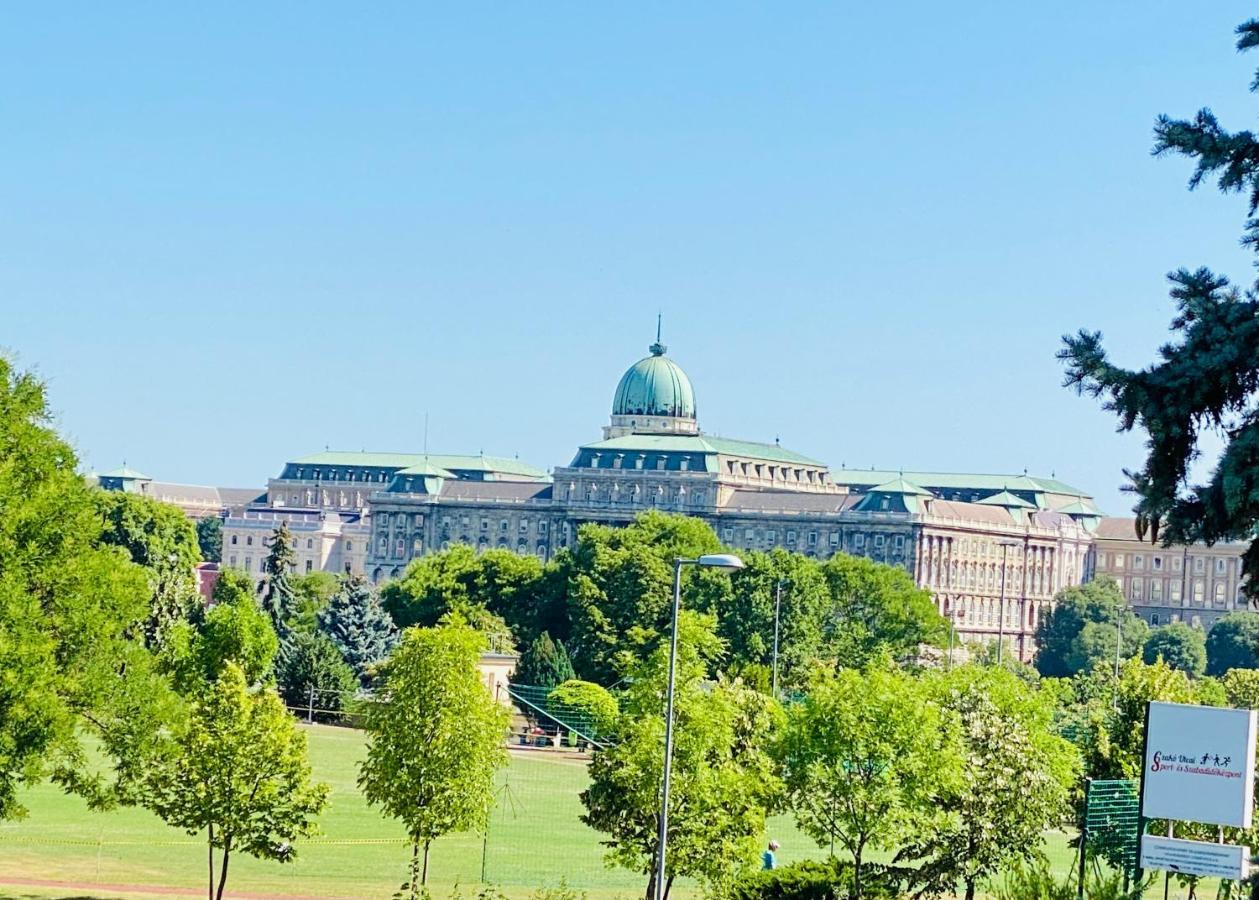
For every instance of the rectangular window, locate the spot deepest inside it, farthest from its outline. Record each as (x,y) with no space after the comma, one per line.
(1199,591)
(524,528)
(309,565)
(812,542)
(878,540)
(1158,563)
(750,535)
(1118,560)
(771,537)
(485,524)
(231,560)
(504,525)
(1156,590)
(660,464)
(727,535)
(1221,566)
(1138,561)
(1173,592)
(900,543)
(791,536)
(1220,588)
(542,530)
(834,539)
(858,540)
(1137,588)
(1199,564)
(249,563)
(1176,563)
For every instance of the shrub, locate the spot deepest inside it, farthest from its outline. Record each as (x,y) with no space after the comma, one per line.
(818,880)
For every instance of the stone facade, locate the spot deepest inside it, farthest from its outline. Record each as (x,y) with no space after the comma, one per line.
(1195,584)
(372,513)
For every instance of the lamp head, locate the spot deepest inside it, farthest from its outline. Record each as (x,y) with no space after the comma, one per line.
(726,562)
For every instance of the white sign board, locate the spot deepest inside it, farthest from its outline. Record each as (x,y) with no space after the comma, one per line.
(1195,857)
(1199,764)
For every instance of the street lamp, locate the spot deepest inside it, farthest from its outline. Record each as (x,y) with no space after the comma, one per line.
(724,562)
(1005,549)
(778,600)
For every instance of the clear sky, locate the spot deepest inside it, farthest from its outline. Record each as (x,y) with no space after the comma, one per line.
(233,236)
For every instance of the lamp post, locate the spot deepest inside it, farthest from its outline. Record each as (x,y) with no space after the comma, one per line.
(726,562)
(953,617)
(778,599)
(1005,550)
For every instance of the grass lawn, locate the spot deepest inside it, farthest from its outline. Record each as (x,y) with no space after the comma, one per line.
(535,840)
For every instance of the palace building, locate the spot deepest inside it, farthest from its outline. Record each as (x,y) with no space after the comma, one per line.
(967,538)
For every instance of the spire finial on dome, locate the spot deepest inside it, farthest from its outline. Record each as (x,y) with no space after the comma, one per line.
(658,349)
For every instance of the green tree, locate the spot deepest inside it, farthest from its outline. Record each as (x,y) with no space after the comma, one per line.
(359,626)
(1081,628)
(238,771)
(619,585)
(1179,645)
(232,586)
(1233,643)
(161,539)
(745,620)
(878,608)
(279,601)
(1017,776)
(237,632)
(1241,688)
(1206,378)
(312,592)
(868,760)
(722,780)
(592,702)
(544,663)
(460,580)
(435,743)
(313,674)
(68,606)
(210,538)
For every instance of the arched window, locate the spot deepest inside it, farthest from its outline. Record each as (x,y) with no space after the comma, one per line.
(249,541)
(233,540)
(309,543)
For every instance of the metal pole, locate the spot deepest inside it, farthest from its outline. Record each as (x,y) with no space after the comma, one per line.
(778,599)
(1084,837)
(310,705)
(663,836)
(948,663)
(1005,551)
(1118,651)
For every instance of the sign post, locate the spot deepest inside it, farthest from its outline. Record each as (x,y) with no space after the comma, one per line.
(1199,766)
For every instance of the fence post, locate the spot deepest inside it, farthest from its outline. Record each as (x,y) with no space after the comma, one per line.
(1084,837)
(310,706)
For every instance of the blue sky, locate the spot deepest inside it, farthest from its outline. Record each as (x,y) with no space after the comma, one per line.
(232,237)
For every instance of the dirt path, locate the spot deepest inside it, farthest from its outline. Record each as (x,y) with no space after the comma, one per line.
(96,889)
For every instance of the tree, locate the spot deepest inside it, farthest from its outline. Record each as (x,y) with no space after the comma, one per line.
(619,585)
(359,626)
(461,579)
(68,606)
(238,770)
(1080,629)
(313,674)
(278,598)
(722,780)
(544,663)
(1206,379)
(1241,688)
(161,539)
(1233,643)
(232,586)
(210,538)
(435,742)
(1179,645)
(745,620)
(878,608)
(237,632)
(868,760)
(312,592)
(585,699)
(1017,776)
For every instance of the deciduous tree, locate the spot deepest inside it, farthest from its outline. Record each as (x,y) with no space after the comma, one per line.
(238,771)
(1179,645)
(1016,779)
(868,760)
(1081,629)
(313,675)
(722,780)
(1233,643)
(878,608)
(435,739)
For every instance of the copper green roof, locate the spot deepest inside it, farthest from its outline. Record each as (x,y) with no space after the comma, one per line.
(654,386)
(451,462)
(426,468)
(702,444)
(960,481)
(124,472)
(900,486)
(1007,500)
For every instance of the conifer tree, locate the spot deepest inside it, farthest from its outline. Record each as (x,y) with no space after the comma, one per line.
(358,625)
(278,597)
(544,663)
(1206,379)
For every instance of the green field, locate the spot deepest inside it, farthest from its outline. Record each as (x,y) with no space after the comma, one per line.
(535,839)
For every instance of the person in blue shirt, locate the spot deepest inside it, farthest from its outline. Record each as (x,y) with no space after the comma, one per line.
(768,861)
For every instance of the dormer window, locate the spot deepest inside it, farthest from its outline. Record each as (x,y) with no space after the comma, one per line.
(684,463)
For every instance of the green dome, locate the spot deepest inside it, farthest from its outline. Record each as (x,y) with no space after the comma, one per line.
(655,386)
